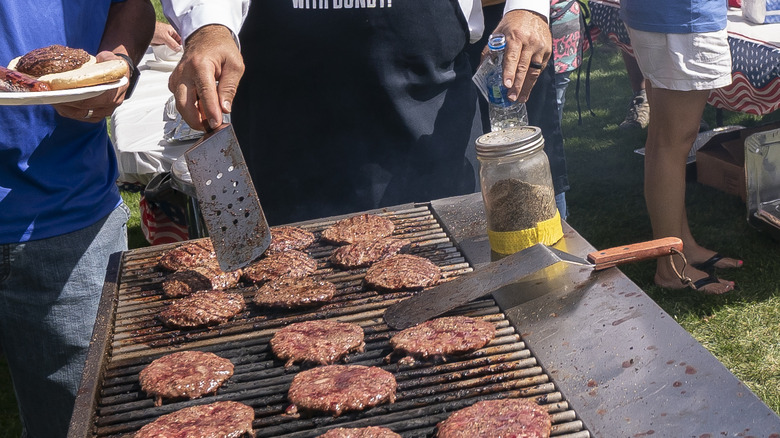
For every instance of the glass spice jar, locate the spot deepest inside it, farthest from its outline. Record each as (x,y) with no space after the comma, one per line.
(517,189)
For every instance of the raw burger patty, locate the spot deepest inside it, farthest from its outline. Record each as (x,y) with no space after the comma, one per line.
(338,388)
(189,255)
(294,292)
(361,432)
(186,374)
(202,308)
(505,417)
(357,228)
(279,265)
(187,281)
(321,341)
(403,271)
(220,419)
(366,252)
(290,238)
(443,336)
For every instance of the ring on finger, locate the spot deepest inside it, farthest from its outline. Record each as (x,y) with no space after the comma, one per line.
(89,114)
(535,65)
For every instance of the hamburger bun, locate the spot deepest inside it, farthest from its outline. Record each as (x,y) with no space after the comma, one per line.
(87,75)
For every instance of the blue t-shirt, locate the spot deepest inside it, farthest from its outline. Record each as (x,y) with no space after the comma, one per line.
(57,175)
(674,16)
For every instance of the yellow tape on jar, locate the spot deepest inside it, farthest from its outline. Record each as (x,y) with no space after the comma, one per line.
(508,242)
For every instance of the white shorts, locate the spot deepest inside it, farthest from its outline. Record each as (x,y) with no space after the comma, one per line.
(683,61)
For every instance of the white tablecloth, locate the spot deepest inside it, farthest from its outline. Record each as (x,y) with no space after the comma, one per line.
(138,126)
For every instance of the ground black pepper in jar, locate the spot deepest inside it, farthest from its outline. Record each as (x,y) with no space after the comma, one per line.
(517,189)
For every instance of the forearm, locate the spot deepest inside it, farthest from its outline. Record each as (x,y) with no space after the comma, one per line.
(129,28)
(187,16)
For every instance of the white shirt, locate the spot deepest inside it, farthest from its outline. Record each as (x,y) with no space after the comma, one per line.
(189,15)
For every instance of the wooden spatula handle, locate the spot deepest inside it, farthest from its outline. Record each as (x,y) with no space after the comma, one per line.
(634,252)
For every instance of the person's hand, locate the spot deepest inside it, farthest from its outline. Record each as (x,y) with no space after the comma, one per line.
(528,42)
(164,33)
(210,56)
(97,108)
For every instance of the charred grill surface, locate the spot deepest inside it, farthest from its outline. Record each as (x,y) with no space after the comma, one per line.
(427,393)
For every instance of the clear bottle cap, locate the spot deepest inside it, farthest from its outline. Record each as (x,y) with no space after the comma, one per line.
(497,41)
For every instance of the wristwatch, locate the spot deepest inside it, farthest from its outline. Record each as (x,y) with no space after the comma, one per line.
(134,74)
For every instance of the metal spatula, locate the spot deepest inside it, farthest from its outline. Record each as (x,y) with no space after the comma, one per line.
(227,199)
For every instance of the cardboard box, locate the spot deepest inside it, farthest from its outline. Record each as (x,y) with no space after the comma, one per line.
(720,163)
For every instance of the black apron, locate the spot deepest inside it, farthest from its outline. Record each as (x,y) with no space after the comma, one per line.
(349,105)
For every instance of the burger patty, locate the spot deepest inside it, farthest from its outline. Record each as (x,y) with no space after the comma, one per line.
(360,432)
(290,238)
(189,255)
(338,388)
(357,228)
(294,292)
(220,419)
(188,281)
(366,252)
(322,341)
(51,59)
(202,308)
(287,264)
(504,417)
(185,374)
(440,337)
(402,271)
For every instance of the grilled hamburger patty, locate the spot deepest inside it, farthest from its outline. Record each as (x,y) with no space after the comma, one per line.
(185,374)
(286,238)
(189,255)
(440,337)
(321,341)
(338,388)
(227,419)
(402,271)
(187,281)
(366,252)
(491,418)
(360,432)
(280,265)
(51,59)
(202,308)
(294,292)
(357,228)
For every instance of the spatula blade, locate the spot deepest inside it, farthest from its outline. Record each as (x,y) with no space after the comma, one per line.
(227,199)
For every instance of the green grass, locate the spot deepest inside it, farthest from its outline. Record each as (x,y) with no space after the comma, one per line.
(607,207)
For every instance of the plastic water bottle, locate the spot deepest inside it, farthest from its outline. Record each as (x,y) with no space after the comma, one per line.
(504,113)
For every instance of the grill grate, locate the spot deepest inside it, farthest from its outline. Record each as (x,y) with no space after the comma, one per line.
(427,393)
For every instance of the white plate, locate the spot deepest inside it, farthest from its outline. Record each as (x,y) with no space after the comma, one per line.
(56,96)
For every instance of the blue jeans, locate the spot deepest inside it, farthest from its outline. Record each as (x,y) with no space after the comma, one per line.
(49,294)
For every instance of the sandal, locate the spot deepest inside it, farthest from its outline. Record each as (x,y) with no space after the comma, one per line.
(708,265)
(701,283)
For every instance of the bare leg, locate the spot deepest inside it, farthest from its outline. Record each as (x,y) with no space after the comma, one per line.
(634,73)
(671,133)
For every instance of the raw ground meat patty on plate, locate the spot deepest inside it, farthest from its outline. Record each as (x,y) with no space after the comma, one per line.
(189,255)
(219,419)
(187,281)
(366,252)
(339,388)
(290,238)
(357,228)
(491,418)
(441,337)
(320,341)
(280,265)
(403,271)
(294,292)
(202,308)
(184,374)
(360,432)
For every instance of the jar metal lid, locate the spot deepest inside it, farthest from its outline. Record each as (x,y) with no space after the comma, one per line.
(513,141)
